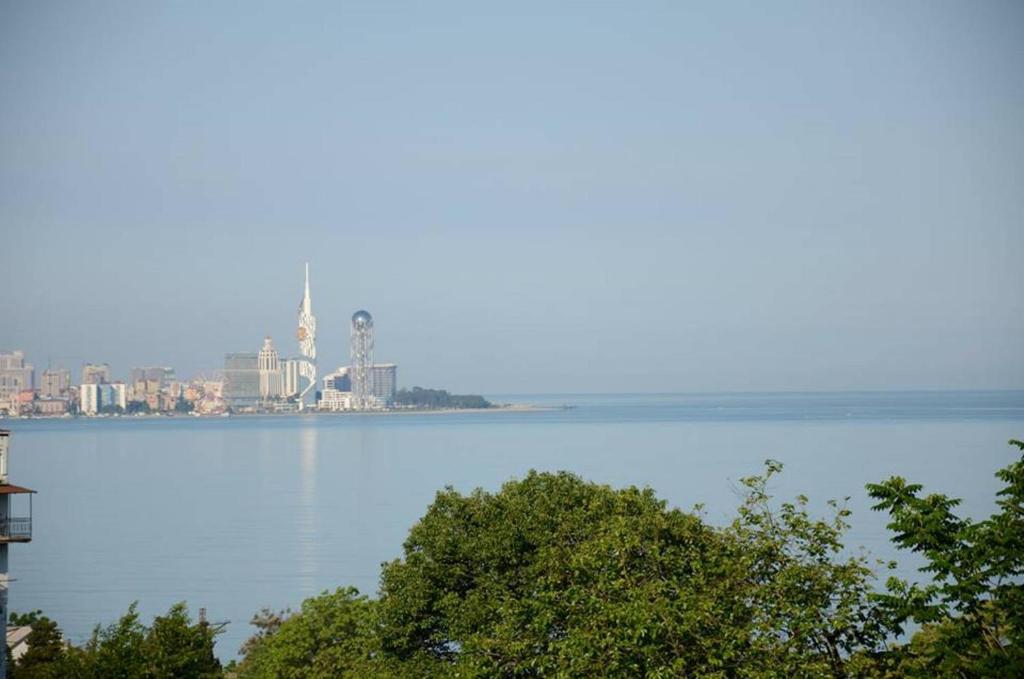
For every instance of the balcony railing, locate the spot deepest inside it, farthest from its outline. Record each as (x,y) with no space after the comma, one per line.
(16,528)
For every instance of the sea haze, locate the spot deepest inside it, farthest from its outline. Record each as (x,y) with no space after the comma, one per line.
(233,514)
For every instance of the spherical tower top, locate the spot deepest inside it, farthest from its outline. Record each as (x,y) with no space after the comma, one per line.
(362,317)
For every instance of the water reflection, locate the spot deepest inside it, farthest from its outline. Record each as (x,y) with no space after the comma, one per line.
(307,514)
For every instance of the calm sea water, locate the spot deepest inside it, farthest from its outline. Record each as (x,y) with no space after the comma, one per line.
(233,514)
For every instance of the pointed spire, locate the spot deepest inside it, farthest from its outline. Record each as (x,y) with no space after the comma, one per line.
(307,304)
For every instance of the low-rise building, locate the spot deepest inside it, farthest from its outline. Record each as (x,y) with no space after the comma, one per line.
(52,406)
(333,400)
(17,640)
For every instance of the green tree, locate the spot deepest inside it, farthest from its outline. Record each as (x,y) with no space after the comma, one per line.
(19,619)
(972,608)
(43,659)
(177,649)
(117,649)
(137,407)
(333,635)
(418,397)
(809,609)
(267,623)
(555,576)
(173,647)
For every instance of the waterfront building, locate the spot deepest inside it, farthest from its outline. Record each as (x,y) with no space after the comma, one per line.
(339,379)
(242,380)
(95,373)
(161,374)
(337,392)
(192,392)
(271,384)
(334,400)
(213,388)
(306,335)
(51,406)
(89,399)
(289,377)
(15,376)
(118,395)
(361,347)
(212,400)
(383,382)
(147,382)
(96,398)
(55,383)
(15,526)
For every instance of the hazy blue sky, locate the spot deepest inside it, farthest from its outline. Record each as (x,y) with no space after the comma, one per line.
(536,197)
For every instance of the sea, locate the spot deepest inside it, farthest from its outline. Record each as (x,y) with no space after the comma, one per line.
(239,513)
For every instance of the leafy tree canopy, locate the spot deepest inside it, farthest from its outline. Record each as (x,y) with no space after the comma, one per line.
(419,397)
(171,648)
(555,576)
(972,608)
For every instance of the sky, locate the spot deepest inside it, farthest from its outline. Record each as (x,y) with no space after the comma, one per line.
(528,197)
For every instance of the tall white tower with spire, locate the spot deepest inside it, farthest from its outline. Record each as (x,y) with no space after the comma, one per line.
(271,384)
(306,335)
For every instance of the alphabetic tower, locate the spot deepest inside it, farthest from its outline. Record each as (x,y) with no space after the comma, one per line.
(12,528)
(306,334)
(362,360)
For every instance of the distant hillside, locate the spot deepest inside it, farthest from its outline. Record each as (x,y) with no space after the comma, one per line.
(418,397)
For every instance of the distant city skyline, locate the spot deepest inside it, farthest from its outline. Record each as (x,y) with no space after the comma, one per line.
(585,198)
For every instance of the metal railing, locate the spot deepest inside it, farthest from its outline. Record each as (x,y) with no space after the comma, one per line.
(16,527)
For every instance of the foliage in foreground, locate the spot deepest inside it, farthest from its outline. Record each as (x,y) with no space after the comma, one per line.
(172,647)
(972,611)
(554,576)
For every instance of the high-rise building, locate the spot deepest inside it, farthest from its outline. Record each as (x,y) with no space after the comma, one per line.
(97,398)
(118,395)
(271,384)
(162,374)
(148,383)
(306,335)
(95,373)
(55,383)
(339,380)
(289,377)
(89,399)
(16,376)
(383,382)
(242,379)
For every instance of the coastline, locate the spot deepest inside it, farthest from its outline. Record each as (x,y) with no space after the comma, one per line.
(502,408)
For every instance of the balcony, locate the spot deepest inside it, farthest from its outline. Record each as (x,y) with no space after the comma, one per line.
(16,529)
